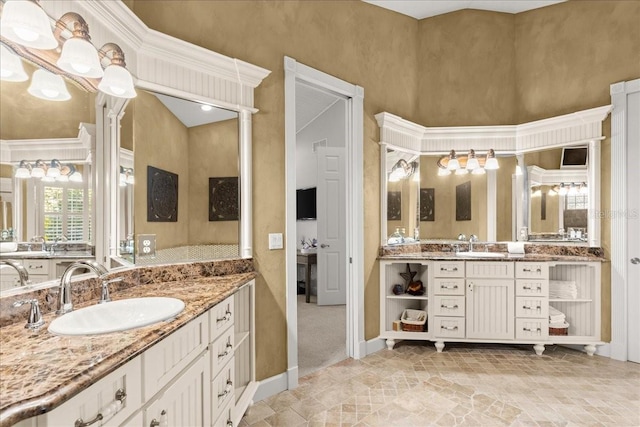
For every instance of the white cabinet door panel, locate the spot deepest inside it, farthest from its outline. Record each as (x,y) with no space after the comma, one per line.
(490,311)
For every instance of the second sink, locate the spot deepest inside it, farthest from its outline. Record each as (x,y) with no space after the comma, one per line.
(116,316)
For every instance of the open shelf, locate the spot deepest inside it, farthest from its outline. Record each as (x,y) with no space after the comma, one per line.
(408,297)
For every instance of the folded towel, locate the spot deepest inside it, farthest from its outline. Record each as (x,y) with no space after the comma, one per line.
(563,289)
(556,316)
(515,247)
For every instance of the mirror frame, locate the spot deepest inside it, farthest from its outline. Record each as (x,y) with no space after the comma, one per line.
(579,128)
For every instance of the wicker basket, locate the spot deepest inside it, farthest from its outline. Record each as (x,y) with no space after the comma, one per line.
(564,330)
(413,320)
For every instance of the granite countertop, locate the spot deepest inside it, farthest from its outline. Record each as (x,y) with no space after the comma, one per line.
(39,371)
(448,256)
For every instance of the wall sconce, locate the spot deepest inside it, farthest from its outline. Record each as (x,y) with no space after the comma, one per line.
(126,176)
(570,189)
(55,171)
(467,163)
(402,170)
(26,30)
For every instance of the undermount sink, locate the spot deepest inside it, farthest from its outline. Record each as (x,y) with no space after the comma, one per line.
(116,316)
(480,254)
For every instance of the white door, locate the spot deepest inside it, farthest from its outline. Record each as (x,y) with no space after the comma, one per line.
(633,224)
(490,309)
(331,202)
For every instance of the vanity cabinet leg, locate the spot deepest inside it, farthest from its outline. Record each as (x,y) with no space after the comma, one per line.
(390,343)
(590,349)
(539,348)
(439,346)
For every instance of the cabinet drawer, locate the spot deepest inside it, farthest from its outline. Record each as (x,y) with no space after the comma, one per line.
(532,329)
(165,360)
(221,317)
(449,327)
(532,287)
(224,417)
(37,266)
(222,387)
(222,351)
(448,269)
(100,398)
(449,305)
(525,270)
(532,307)
(448,286)
(490,269)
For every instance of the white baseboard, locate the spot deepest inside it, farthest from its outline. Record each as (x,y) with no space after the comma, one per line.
(375,344)
(271,386)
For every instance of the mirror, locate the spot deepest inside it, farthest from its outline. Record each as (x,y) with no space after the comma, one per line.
(402,172)
(31,129)
(558,196)
(199,218)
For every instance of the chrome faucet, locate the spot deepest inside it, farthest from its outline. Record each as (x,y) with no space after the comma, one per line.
(472,238)
(65,304)
(22,272)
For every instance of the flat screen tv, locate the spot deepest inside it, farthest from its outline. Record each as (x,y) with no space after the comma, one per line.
(574,158)
(306,203)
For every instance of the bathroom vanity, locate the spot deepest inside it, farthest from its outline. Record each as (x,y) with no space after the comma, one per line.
(492,299)
(197,369)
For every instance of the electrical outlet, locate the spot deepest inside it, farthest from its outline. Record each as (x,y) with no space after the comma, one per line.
(146,245)
(275,240)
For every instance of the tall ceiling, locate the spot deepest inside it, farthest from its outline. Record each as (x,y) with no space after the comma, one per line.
(420,9)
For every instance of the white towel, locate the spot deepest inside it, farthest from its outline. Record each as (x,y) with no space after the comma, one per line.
(515,247)
(556,316)
(563,289)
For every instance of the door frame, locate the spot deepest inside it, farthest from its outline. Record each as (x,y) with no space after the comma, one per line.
(356,344)
(620,315)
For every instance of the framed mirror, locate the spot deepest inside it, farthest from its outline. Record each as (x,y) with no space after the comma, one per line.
(196,143)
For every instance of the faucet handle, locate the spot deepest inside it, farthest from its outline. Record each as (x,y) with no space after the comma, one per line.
(35,319)
(462,237)
(105,297)
(473,238)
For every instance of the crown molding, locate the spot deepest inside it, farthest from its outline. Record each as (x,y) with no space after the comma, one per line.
(569,129)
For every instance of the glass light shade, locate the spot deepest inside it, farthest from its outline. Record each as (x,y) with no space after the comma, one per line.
(563,190)
(583,189)
(117,81)
(123,180)
(62,178)
(453,161)
(130,179)
(54,170)
(38,170)
(26,23)
(472,164)
(75,177)
(48,179)
(49,86)
(80,58)
(573,190)
(478,171)
(491,163)
(443,172)
(11,69)
(23,171)
(552,192)
(461,171)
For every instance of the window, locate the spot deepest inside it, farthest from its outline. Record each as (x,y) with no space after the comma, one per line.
(66,211)
(578,201)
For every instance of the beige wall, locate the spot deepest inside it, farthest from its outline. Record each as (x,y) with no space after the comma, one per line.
(464,68)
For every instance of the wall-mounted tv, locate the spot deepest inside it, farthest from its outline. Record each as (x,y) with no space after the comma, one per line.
(306,203)
(574,158)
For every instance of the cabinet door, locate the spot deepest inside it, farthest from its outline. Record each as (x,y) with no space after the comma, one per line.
(183,402)
(490,311)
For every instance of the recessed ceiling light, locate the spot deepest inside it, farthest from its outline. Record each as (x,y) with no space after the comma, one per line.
(204,107)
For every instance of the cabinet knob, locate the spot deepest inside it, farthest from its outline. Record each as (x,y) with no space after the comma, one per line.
(163,422)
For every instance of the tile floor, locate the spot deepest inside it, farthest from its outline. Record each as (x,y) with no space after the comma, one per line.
(466,385)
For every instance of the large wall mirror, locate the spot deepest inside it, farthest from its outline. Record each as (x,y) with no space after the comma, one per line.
(197,145)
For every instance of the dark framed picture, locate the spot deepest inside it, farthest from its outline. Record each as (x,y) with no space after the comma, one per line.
(463,202)
(394,206)
(427,204)
(223,199)
(162,195)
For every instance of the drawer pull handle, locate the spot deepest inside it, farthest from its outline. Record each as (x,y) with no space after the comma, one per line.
(449,328)
(35,267)
(532,330)
(450,307)
(163,420)
(111,409)
(528,307)
(448,269)
(531,270)
(227,389)
(530,288)
(448,287)
(225,318)
(227,350)
(229,423)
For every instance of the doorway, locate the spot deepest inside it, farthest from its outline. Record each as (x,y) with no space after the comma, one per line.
(348,262)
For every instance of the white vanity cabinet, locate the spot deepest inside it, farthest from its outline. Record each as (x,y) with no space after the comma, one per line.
(494,301)
(392,306)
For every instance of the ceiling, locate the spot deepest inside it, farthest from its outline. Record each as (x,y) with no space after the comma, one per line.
(420,9)
(310,103)
(190,113)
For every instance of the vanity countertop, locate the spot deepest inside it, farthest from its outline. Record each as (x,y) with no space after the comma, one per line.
(448,256)
(39,371)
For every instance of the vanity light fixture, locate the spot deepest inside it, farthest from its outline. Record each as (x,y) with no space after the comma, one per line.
(467,163)
(48,86)
(26,23)
(74,57)
(126,176)
(443,172)
(402,170)
(472,162)
(491,163)
(462,171)
(55,171)
(563,190)
(11,69)
(573,190)
(583,189)
(39,169)
(453,161)
(24,170)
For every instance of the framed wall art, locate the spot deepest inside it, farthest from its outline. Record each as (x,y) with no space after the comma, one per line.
(223,199)
(162,195)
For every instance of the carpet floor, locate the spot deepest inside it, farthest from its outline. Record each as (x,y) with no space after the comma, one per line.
(321,335)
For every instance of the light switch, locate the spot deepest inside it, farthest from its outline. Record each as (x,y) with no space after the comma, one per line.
(275,240)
